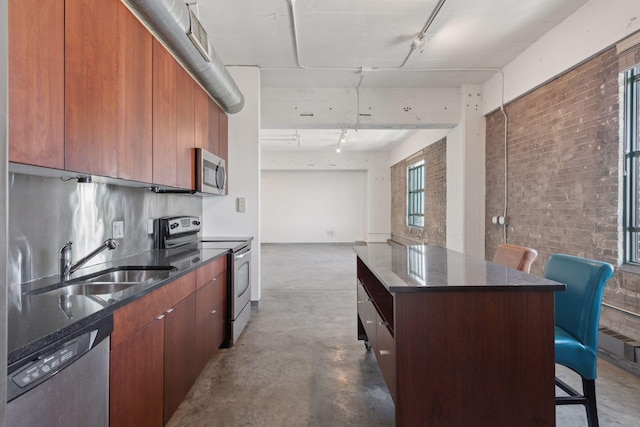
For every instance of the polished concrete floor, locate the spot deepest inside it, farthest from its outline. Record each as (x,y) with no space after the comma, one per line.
(298,362)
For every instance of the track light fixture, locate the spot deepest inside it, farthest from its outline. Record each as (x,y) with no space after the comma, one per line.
(419,42)
(341,140)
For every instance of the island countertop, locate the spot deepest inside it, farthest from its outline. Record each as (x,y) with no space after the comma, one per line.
(426,268)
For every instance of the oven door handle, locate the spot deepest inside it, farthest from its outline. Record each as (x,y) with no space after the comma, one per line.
(241,254)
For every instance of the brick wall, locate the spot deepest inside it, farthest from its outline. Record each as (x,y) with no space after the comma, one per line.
(564,168)
(435,231)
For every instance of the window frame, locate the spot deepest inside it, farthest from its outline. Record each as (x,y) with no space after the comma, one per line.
(631,208)
(416,194)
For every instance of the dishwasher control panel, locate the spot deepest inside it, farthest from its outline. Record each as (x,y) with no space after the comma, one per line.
(47,365)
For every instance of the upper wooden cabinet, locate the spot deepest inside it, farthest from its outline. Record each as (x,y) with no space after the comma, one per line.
(91,87)
(92,91)
(207,122)
(107,91)
(135,128)
(36,82)
(173,121)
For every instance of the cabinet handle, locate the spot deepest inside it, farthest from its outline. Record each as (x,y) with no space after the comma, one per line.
(384,352)
(383,323)
(370,321)
(215,278)
(160,317)
(169,311)
(360,302)
(213,312)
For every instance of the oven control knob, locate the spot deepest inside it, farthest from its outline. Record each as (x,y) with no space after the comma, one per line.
(172,226)
(195,222)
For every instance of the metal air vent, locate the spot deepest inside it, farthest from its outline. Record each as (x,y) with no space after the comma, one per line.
(199,36)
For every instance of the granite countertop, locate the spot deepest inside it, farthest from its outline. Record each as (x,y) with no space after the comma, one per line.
(38,320)
(425,268)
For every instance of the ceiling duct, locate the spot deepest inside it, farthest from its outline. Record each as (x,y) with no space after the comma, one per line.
(171,22)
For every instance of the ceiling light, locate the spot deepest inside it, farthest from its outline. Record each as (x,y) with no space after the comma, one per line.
(338,149)
(419,42)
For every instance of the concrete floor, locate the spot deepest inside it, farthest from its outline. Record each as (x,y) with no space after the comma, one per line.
(298,362)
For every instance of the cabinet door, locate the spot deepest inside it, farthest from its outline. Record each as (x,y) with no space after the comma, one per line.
(211,318)
(36,82)
(164,116)
(136,379)
(173,121)
(91,86)
(185,160)
(207,122)
(179,346)
(135,143)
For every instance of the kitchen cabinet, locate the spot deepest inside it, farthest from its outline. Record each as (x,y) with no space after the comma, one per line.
(36,82)
(207,125)
(173,121)
(161,342)
(142,349)
(179,344)
(107,90)
(136,378)
(211,310)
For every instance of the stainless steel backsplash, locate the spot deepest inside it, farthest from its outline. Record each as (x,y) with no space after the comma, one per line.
(45,213)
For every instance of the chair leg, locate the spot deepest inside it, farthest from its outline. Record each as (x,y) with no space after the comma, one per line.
(589,390)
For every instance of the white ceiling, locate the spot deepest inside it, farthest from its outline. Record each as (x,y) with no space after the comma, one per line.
(348,35)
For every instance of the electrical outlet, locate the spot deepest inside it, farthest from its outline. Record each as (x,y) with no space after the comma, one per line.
(241,204)
(118,229)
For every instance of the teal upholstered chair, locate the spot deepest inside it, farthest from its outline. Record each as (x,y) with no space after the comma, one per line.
(577,313)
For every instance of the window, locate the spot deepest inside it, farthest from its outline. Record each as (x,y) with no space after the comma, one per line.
(632,165)
(415,195)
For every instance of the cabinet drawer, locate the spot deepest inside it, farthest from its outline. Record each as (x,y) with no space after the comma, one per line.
(210,296)
(134,316)
(210,270)
(385,350)
(368,314)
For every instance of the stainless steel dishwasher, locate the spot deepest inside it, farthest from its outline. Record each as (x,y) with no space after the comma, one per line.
(65,384)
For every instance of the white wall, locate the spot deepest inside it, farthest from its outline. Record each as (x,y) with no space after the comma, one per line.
(377,215)
(596,26)
(313,206)
(219,213)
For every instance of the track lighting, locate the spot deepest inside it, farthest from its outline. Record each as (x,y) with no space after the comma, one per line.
(419,42)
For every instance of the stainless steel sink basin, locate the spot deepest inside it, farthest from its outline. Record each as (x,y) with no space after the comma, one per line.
(94,288)
(127,276)
(109,281)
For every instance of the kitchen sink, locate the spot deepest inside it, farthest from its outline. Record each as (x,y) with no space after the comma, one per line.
(129,275)
(93,288)
(109,281)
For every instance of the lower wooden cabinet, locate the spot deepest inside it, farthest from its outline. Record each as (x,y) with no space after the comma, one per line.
(136,378)
(179,344)
(161,342)
(211,315)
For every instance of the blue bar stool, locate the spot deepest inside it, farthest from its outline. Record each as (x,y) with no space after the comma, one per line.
(577,313)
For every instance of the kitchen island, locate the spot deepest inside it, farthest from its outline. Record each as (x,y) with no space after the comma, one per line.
(460,341)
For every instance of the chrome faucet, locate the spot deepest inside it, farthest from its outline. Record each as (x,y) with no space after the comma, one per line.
(67,268)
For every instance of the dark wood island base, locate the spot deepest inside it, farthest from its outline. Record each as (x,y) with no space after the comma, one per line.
(470,343)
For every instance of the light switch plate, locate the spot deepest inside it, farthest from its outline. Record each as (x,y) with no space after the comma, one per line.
(118,229)
(150,226)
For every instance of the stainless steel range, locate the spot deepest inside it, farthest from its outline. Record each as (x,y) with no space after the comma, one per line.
(180,233)
(240,267)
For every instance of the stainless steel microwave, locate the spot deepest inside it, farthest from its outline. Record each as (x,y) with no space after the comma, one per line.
(211,173)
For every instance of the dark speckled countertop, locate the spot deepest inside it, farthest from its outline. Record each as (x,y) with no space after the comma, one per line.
(36,321)
(425,268)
